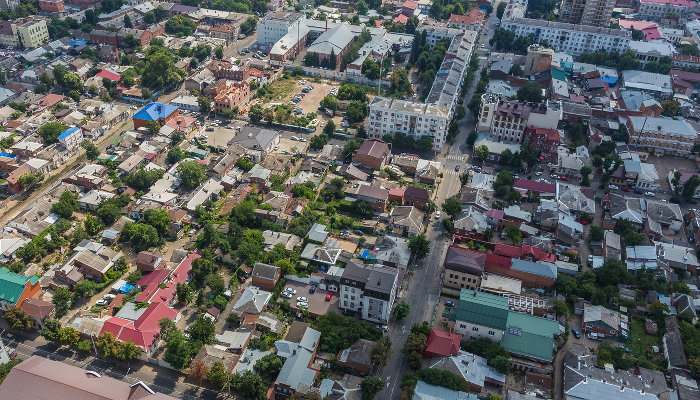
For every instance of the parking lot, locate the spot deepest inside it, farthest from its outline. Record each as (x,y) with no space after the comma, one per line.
(317,301)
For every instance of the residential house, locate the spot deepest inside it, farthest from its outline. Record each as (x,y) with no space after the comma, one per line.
(257,142)
(543,142)
(426,391)
(298,358)
(161,113)
(147,261)
(474,369)
(676,256)
(373,154)
(612,248)
(442,344)
(140,325)
(375,197)
(638,257)
(415,196)
(16,288)
(358,357)
(265,276)
(603,321)
(463,270)
(408,220)
(470,223)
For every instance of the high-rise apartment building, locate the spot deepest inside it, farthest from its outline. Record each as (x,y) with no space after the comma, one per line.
(586,12)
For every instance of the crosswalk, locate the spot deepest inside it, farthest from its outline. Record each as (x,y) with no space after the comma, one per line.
(455,158)
(453,172)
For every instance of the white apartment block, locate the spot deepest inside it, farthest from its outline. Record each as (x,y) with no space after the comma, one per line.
(657,9)
(388,116)
(571,39)
(435,34)
(506,120)
(369,290)
(276,25)
(432,118)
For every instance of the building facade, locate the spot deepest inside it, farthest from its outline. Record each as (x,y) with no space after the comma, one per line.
(657,9)
(663,136)
(570,38)
(587,12)
(369,290)
(276,25)
(506,120)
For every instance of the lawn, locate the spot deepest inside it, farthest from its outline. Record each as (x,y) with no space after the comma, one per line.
(279,90)
(641,343)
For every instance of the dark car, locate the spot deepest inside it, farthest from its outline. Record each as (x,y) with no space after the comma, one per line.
(576,333)
(312,289)
(449,303)
(456,167)
(626,189)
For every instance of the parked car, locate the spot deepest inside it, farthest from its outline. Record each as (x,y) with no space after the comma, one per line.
(101,303)
(626,189)
(576,333)
(291,290)
(457,168)
(555,176)
(286,295)
(109,296)
(312,289)
(613,187)
(437,215)
(302,299)
(650,194)
(383,327)
(328,296)
(449,303)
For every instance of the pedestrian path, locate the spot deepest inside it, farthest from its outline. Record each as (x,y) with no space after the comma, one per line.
(452,172)
(455,158)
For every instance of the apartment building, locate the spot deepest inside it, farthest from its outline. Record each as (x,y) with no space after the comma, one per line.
(388,116)
(52,6)
(463,270)
(432,118)
(571,38)
(544,142)
(657,9)
(369,290)
(506,120)
(27,34)
(230,95)
(538,58)
(586,12)
(276,25)
(662,135)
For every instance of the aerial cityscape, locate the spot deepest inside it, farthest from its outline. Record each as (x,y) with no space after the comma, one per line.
(349,200)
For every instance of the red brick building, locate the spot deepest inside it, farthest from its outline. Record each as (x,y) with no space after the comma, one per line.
(265,276)
(416,197)
(373,153)
(442,344)
(55,6)
(375,197)
(544,142)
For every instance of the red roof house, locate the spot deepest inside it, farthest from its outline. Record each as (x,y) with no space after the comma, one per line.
(143,331)
(109,75)
(441,344)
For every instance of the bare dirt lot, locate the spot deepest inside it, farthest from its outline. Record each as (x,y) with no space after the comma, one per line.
(666,164)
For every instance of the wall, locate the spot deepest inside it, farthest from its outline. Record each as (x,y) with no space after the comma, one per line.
(339,76)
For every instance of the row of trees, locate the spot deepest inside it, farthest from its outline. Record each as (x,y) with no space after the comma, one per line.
(106,344)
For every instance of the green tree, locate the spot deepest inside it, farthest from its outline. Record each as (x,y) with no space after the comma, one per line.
(51,329)
(331,103)
(452,206)
(585,172)
(177,350)
(255,113)
(85,288)
(482,152)
(108,212)
(219,52)
(671,108)
(107,344)
(318,141)
(329,129)
(202,331)
(92,225)
(595,233)
(500,10)
(66,205)
(560,307)
(371,386)
(249,385)
(216,283)
(184,293)
(515,69)
(149,18)
(127,351)
(62,300)
(143,180)
(531,92)
(268,367)
(217,375)
(159,219)
(176,154)
(91,151)
(424,143)
(50,131)
(141,236)
(85,346)
(180,26)
(134,277)
(689,187)
(420,246)
(357,111)
(17,319)
(401,311)
(513,233)
(153,127)
(501,364)
(68,336)
(204,103)
(382,351)
(471,138)
(191,173)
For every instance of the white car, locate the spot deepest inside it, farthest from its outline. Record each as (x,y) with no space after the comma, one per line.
(101,303)
(109,296)
(314,121)
(290,290)
(303,139)
(650,194)
(295,138)
(538,173)
(437,215)
(302,299)
(613,187)
(286,295)
(322,123)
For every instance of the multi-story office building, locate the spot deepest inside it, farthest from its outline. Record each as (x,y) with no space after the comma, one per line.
(506,120)
(657,9)
(276,25)
(27,33)
(586,12)
(369,290)
(432,118)
(569,38)
(663,136)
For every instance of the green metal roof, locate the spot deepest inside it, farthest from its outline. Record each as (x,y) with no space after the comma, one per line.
(558,74)
(530,336)
(482,309)
(12,285)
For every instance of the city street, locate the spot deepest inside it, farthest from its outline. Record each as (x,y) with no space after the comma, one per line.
(424,279)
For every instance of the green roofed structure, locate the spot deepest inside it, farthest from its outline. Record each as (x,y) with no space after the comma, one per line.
(483,315)
(15,288)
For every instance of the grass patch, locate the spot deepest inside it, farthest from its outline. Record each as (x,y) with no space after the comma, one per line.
(279,89)
(641,343)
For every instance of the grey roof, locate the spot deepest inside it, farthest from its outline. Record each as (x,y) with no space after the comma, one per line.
(634,99)
(254,138)
(424,391)
(589,389)
(296,371)
(465,260)
(643,80)
(377,277)
(548,270)
(252,300)
(671,126)
(474,369)
(318,233)
(265,271)
(333,40)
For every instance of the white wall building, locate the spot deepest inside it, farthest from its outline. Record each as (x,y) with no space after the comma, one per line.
(506,120)
(569,38)
(276,25)
(369,289)
(657,9)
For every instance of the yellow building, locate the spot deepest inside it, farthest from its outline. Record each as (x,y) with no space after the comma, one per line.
(463,270)
(27,33)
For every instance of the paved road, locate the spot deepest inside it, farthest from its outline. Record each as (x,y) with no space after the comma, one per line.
(422,283)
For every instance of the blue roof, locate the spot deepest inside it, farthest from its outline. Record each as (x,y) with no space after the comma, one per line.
(155,111)
(536,268)
(6,154)
(77,42)
(68,132)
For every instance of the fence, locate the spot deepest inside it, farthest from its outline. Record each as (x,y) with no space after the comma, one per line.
(338,76)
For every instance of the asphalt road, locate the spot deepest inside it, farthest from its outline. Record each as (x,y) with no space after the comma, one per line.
(422,283)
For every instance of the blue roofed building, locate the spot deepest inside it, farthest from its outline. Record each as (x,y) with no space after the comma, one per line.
(71,137)
(159,112)
(425,391)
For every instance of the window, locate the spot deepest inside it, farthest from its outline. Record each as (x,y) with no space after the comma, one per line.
(491,333)
(462,326)
(475,329)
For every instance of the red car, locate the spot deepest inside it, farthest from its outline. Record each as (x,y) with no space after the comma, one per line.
(328,296)
(564,178)
(626,189)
